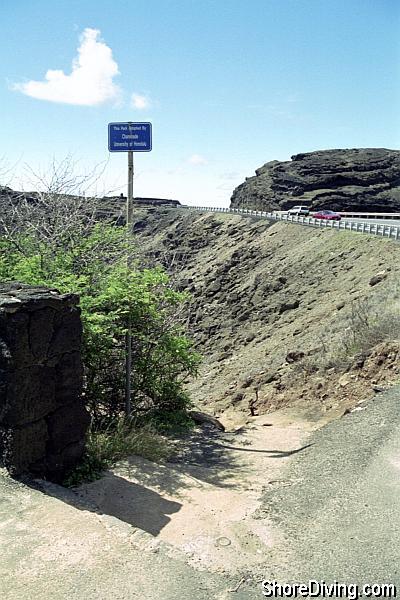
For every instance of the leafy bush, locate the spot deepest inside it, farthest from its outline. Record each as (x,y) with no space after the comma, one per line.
(172,421)
(54,238)
(114,298)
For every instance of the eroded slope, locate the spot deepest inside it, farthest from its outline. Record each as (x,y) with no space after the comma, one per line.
(275,308)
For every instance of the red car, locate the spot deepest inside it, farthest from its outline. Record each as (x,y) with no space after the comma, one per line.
(330,215)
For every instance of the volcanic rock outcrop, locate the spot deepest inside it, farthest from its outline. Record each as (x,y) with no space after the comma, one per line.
(43,420)
(362,179)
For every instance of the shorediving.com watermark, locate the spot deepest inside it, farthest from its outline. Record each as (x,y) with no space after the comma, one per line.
(321,589)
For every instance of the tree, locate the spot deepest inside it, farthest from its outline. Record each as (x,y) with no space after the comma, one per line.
(55,239)
(58,214)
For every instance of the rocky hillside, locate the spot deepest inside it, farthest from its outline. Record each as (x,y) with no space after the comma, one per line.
(366,179)
(109,207)
(283,314)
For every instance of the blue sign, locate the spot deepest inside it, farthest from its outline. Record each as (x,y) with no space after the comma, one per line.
(129,137)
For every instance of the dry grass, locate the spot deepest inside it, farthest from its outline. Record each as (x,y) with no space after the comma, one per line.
(117,441)
(124,439)
(370,321)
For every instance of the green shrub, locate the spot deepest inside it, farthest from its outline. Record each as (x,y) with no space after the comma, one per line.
(113,299)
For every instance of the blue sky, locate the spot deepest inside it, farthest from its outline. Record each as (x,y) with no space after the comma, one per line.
(227,84)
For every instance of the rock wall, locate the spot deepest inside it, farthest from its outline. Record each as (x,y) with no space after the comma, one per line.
(361,179)
(43,420)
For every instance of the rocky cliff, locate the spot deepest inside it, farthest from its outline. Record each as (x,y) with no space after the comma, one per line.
(362,179)
(43,420)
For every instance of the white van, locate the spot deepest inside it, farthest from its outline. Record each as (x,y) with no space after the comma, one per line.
(299,210)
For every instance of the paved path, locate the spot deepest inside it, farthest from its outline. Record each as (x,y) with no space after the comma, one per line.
(339,504)
(53,550)
(335,504)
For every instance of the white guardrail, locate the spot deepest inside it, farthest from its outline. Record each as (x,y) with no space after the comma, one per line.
(380,229)
(357,215)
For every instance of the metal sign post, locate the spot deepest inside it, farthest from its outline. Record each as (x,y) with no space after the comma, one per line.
(128,335)
(129,137)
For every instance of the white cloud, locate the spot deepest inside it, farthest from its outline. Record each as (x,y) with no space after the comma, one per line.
(90,82)
(230,175)
(197,159)
(140,102)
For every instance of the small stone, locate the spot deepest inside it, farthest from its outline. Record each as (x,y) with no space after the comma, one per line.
(378,278)
(345,380)
(294,356)
(237,397)
(224,356)
(247,382)
(269,377)
(378,388)
(288,306)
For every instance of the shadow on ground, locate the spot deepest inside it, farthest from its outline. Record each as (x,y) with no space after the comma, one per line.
(134,491)
(135,504)
(130,502)
(215,457)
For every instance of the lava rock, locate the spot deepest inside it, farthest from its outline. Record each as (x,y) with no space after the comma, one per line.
(43,420)
(377,278)
(294,356)
(346,180)
(288,306)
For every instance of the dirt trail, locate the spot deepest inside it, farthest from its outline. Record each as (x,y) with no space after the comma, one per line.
(194,527)
(204,503)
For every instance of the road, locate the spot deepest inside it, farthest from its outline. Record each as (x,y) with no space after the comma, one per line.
(340,503)
(368,221)
(393,222)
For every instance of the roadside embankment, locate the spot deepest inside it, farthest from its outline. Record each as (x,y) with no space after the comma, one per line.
(282,314)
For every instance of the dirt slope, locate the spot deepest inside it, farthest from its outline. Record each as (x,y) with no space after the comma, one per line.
(272,305)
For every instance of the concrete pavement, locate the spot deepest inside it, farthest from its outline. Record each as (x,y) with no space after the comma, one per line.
(336,503)
(52,548)
(339,505)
